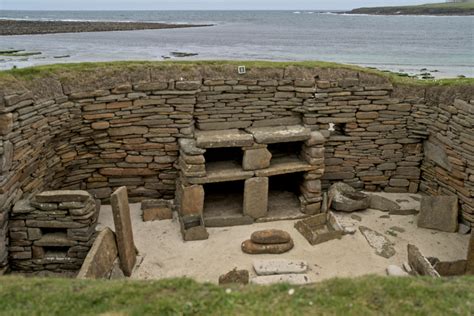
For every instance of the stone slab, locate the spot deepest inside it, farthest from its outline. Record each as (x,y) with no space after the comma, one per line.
(191,199)
(226,221)
(221,172)
(123,230)
(270,236)
(393,270)
(188,146)
(279,266)
(470,256)
(383,247)
(192,228)
(225,138)
(63,196)
(439,212)
(255,159)
(285,165)
(419,263)
(378,202)
(256,197)
(320,228)
(101,257)
(437,154)
(279,134)
(252,248)
(294,279)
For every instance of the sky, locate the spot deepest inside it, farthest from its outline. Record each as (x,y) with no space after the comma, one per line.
(199,4)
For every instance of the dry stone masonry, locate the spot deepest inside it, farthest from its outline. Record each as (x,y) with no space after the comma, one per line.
(53,231)
(150,128)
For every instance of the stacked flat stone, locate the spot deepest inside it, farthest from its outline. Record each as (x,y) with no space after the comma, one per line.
(270,241)
(121,127)
(448,164)
(53,231)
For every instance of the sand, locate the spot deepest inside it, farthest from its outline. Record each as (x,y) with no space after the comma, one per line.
(165,255)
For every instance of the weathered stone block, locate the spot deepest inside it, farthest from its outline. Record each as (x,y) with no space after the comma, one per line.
(63,196)
(280,134)
(279,266)
(270,236)
(100,259)
(220,139)
(255,159)
(192,228)
(250,247)
(439,212)
(6,123)
(419,263)
(234,277)
(123,230)
(256,197)
(157,213)
(191,200)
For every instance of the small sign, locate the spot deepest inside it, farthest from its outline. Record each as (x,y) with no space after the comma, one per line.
(241,70)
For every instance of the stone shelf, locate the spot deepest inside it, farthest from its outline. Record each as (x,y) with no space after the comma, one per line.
(284,165)
(223,171)
(225,138)
(279,134)
(55,240)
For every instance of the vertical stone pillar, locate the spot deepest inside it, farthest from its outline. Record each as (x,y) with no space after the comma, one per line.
(191,200)
(256,197)
(470,255)
(123,230)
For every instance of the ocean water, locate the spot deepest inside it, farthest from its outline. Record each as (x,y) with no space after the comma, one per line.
(444,45)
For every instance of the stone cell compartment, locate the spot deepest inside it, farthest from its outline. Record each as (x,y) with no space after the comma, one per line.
(53,231)
(236,177)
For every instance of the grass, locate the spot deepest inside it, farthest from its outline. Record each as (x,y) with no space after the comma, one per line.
(429,8)
(59,70)
(369,295)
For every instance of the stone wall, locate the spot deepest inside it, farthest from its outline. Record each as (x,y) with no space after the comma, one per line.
(102,128)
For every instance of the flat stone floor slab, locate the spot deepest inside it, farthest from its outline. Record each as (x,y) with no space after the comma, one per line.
(165,255)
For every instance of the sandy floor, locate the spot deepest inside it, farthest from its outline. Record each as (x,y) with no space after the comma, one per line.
(165,255)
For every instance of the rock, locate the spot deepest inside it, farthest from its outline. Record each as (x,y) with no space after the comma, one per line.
(419,263)
(295,279)
(22,206)
(192,228)
(450,268)
(356,217)
(101,257)
(256,197)
(191,199)
(253,248)
(255,159)
(7,158)
(437,154)
(157,213)
(464,229)
(223,138)
(383,247)
(394,270)
(235,277)
(55,240)
(343,197)
(407,268)
(403,212)
(123,230)
(128,130)
(270,236)
(189,147)
(381,203)
(62,196)
(316,138)
(470,256)
(279,266)
(349,230)
(6,123)
(397,229)
(439,212)
(279,134)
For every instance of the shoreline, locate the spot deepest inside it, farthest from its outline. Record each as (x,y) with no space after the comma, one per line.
(28,27)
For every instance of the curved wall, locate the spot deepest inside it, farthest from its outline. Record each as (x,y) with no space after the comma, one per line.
(106,127)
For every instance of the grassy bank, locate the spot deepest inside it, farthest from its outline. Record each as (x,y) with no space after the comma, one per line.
(362,296)
(59,70)
(466,8)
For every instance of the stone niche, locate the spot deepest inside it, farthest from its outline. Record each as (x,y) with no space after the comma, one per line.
(239,176)
(53,231)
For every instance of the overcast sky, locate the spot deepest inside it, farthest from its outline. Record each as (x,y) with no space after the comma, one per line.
(197,4)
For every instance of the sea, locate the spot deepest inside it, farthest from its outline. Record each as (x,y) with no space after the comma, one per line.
(440,45)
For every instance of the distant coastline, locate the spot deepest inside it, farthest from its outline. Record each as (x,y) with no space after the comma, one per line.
(446,9)
(23,27)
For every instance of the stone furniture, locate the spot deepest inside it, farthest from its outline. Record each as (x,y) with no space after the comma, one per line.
(320,228)
(53,231)
(137,125)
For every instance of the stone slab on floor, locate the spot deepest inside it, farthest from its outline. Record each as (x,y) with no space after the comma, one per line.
(296,279)
(280,134)
(101,257)
(123,230)
(383,247)
(279,266)
(395,203)
(224,138)
(439,212)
